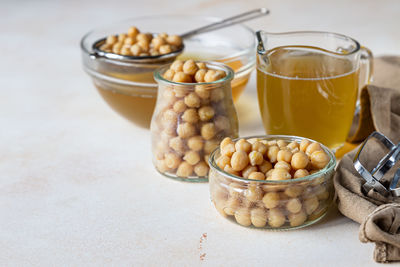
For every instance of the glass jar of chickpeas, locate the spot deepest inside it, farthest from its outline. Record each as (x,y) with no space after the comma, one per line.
(194,112)
(275,182)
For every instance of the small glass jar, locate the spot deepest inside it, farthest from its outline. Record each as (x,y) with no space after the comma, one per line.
(275,205)
(188,123)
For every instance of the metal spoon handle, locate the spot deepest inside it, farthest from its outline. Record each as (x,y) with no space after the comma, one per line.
(228,21)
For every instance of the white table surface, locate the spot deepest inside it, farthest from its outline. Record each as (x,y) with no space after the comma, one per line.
(77,187)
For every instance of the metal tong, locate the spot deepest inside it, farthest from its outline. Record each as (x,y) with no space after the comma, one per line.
(373,178)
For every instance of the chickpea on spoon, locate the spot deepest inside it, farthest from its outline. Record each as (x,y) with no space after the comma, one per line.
(152,48)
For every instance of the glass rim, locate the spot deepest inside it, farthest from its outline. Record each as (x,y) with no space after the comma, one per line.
(330,166)
(229,74)
(332,34)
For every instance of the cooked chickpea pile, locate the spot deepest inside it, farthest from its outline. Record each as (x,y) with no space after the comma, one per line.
(260,204)
(135,43)
(192,119)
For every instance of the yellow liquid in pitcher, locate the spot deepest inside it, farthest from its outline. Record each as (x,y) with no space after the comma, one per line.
(308,92)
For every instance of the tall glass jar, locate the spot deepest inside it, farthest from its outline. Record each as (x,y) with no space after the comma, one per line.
(188,123)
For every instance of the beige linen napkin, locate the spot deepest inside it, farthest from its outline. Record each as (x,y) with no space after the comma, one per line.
(379,216)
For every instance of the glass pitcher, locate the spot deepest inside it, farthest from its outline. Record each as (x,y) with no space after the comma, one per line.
(308,83)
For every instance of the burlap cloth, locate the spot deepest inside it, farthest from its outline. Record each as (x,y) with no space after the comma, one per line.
(379,216)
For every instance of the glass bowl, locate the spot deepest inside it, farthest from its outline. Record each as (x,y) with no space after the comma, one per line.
(129,88)
(275,205)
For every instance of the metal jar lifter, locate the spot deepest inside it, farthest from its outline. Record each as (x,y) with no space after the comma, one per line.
(373,178)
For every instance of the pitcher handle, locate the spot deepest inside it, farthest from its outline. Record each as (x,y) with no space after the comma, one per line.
(367,59)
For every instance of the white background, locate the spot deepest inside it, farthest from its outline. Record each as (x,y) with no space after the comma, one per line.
(77,187)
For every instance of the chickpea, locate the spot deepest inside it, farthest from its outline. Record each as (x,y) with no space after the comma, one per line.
(282,165)
(276,218)
(177,144)
(199,76)
(299,160)
(235,190)
(154,52)
(280,174)
(177,65)
(297,219)
(172,160)
(202,91)
(242,217)
(158,42)
(126,50)
(184,170)
(161,166)
(247,171)
(211,76)
(129,41)
(169,74)
(133,32)
(195,143)
(179,106)
(253,193)
(228,149)
(256,176)
(271,143)
(239,160)
(268,174)
(190,67)
(192,100)
(271,200)
(260,147)
(136,50)
(319,159)
(284,155)
(162,35)
(201,169)
(181,77)
(186,130)
(281,143)
(321,192)
(226,141)
(106,47)
(265,166)
(174,40)
(258,217)
(169,97)
(217,94)
(304,144)
(210,146)
(165,49)
(144,37)
(201,65)
(206,113)
(144,54)
(312,148)
(145,47)
(208,131)
(229,169)
(206,158)
(223,161)
(220,206)
(294,191)
(222,123)
(293,205)
(111,39)
(170,116)
(293,145)
(232,204)
(243,145)
(117,48)
(190,115)
(311,204)
(122,37)
(295,150)
(221,74)
(192,157)
(256,158)
(273,153)
(181,91)
(300,173)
